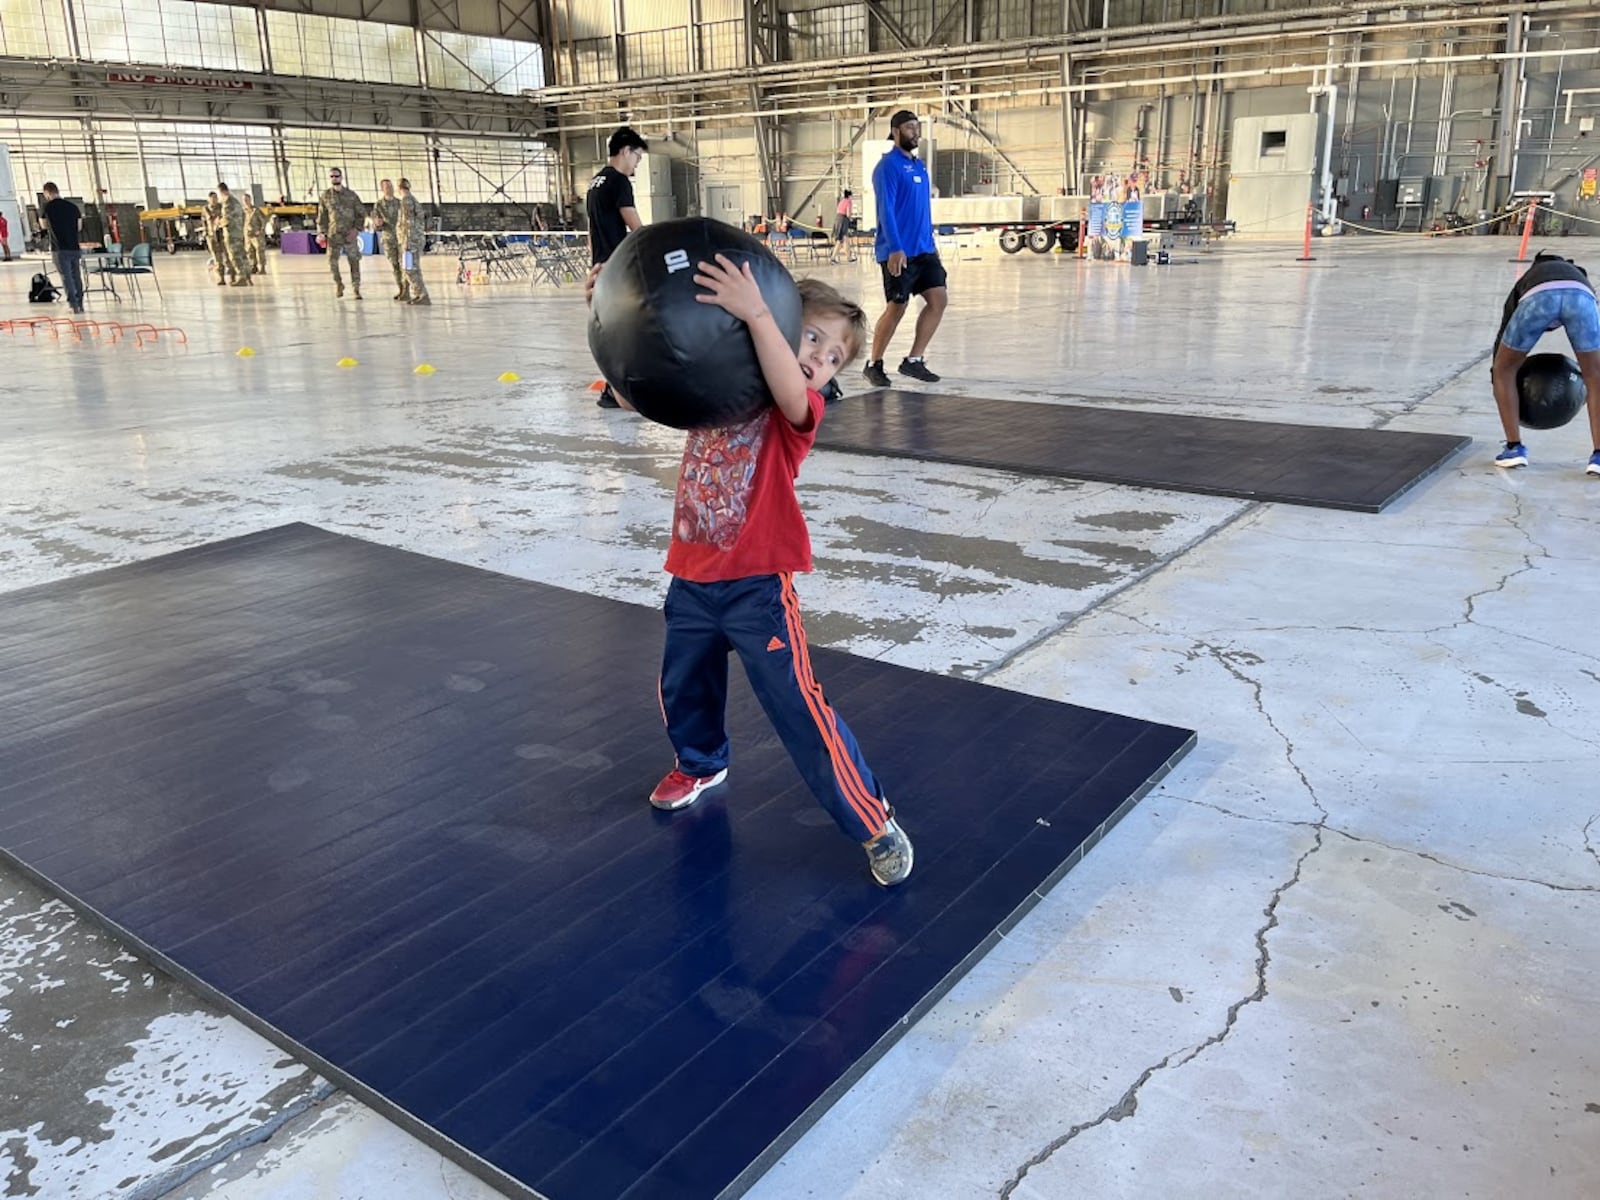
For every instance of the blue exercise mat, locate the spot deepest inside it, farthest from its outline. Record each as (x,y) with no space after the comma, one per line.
(391,812)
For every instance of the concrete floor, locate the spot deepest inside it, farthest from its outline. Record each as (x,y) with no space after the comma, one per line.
(1347,947)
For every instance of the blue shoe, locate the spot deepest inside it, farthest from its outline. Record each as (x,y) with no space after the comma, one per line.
(1594,464)
(1516,455)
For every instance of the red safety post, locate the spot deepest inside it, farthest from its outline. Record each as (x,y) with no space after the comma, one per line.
(1305,254)
(1527,233)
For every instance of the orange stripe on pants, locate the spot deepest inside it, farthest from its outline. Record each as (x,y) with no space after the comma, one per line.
(866,804)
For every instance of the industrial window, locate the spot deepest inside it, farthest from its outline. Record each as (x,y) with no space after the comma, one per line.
(1274,143)
(170,33)
(470,63)
(341,48)
(32,29)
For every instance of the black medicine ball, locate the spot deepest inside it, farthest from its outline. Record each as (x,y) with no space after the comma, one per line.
(677,360)
(1550,391)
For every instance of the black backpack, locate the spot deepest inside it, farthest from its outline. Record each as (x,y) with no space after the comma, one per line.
(42,291)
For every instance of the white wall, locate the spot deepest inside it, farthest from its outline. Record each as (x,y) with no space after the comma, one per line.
(11,203)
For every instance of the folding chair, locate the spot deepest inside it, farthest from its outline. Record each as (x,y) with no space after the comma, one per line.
(131,266)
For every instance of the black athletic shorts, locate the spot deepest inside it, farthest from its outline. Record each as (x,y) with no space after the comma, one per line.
(921,272)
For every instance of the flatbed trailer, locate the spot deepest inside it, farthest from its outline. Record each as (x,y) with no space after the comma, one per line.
(1041,223)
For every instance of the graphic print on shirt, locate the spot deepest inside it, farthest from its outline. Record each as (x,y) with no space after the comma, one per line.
(719,465)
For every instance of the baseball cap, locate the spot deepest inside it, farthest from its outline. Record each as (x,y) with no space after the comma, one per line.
(899,119)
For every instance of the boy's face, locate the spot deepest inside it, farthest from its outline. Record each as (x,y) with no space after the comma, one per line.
(824,348)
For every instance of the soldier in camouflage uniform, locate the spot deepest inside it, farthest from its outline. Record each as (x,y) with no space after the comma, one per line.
(211,220)
(255,235)
(386,216)
(340,215)
(233,236)
(413,237)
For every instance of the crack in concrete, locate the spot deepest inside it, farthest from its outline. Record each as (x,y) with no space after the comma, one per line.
(1128,1105)
(1428,391)
(1360,839)
(1469,613)
(1250,508)
(1228,661)
(169,1182)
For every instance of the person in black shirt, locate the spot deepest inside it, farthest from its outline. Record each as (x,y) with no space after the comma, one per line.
(1554,293)
(65,220)
(612,215)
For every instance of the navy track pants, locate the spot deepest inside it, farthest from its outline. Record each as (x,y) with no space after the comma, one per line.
(758,618)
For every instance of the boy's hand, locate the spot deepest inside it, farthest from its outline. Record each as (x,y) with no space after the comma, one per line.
(588,284)
(732,288)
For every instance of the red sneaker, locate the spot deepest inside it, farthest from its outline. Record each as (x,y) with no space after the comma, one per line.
(678,790)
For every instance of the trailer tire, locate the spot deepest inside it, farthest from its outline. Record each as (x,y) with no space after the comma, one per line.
(1011,240)
(1041,241)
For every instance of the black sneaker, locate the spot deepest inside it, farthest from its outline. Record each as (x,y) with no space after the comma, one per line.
(917,369)
(607,400)
(833,393)
(875,373)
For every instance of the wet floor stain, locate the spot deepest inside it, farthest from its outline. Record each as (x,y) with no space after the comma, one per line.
(1003,560)
(998,633)
(1137,557)
(69,554)
(1130,521)
(326,472)
(892,573)
(842,629)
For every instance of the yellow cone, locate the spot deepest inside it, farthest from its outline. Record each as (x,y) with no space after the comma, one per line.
(511,377)
(246,352)
(347,362)
(424,369)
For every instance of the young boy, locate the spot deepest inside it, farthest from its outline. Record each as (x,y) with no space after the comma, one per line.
(1554,293)
(738,537)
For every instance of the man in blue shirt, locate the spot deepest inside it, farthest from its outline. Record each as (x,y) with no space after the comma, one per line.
(905,251)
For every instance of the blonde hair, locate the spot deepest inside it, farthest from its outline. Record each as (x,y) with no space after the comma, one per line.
(824,300)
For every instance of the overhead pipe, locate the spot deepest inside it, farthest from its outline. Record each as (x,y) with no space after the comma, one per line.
(1569,93)
(1153,81)
(1132,39)
(1550,150)
(1508,131)
(1330,216)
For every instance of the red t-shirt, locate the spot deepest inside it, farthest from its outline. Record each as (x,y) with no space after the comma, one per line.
(736,514)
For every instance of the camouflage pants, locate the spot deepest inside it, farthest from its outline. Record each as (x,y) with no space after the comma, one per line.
(394,251)
(256,245)
(238,255)
(219,254)
(350,250)
(414,271)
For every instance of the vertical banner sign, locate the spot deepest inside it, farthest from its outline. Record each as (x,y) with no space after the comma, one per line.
(1587,185)
(1116,214)
(1133,219)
